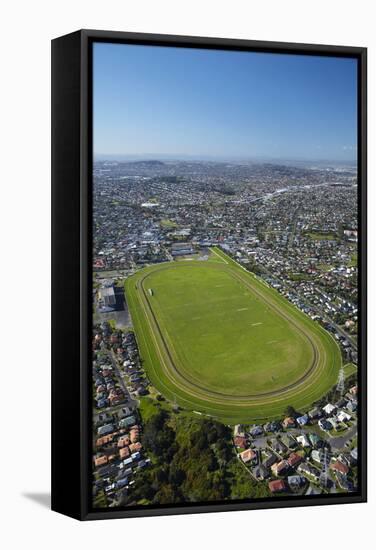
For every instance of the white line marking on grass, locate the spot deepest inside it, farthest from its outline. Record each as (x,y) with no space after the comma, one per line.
(256,324)
(219,256)
(243,309)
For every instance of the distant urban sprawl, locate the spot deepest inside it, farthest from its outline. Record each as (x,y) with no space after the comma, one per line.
(294,227)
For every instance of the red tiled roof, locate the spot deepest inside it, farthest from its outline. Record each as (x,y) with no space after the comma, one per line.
(123,441)
(248,455)
(339,467)
(133,447)
(294,459)
(240,441)
(100,461)
(277,485)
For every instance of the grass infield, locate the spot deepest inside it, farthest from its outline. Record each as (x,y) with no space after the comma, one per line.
(219,341)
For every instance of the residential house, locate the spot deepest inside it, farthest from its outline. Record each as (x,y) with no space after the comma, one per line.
(343,416)
(123,441)
(238,430)
(273,426)
(339,467)
(241,441)
(278,446)
(315,440)
(134,435)
(294,459)
(289,422)
(279,468)
(278,486)
(100,461)
(127,422)
(325,425)
(270,459)
(296,482)
(315,414)
(248,456)
(303,420)
(126,462)
(124,412)
(122,482)
(319,456)
(340,403)
(352,405)
(289,441)
(329,409)
(134,447)
(104,440)
(303,440)
(106,429)
(260,472)
(256,431)
(124,452)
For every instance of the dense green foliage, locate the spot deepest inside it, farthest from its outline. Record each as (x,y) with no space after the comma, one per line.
(193,461)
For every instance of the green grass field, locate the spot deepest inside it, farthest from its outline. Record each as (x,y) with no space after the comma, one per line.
(218,341)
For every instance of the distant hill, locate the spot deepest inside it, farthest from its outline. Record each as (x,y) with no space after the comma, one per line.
(145,163)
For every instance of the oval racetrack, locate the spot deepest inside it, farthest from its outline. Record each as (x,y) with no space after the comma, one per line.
(217,340)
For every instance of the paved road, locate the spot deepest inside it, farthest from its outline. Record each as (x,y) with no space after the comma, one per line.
(129,398)
(339,443)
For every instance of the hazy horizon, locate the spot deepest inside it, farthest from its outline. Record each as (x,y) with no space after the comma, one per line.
(119,157)
(216,104)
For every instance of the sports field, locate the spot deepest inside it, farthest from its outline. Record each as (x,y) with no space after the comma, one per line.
(217,340)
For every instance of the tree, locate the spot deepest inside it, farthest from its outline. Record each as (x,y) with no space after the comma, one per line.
(290,411)
(212,436)
(158,437)
(176,476)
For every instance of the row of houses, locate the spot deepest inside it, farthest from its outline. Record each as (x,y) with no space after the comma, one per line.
(107,390)
(118,454)
(290,455)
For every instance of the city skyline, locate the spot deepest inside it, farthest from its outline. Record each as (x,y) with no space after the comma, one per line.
(195,104)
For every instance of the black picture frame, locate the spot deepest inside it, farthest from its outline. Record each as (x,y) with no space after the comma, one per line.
(72,158)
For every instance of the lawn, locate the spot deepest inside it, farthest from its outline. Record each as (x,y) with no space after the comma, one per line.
(350,369)
(317,236)
(353,261)
(168,224)
(217,340)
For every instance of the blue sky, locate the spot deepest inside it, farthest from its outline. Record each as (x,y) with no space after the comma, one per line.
(210,103)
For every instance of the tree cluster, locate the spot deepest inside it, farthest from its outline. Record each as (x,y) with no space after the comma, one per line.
(190,461)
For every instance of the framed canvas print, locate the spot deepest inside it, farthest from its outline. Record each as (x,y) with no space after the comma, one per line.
(209,274)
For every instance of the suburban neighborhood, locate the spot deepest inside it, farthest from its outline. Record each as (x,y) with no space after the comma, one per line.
(295,227)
